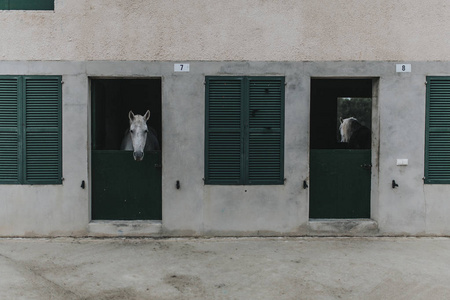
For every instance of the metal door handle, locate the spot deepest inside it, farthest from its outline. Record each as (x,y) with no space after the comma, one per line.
(366,166)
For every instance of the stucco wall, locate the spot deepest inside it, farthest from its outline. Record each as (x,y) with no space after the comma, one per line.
(298,39)
(257,30)
(197,209)
(33,210)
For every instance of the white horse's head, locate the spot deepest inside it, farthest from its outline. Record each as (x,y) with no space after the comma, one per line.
(347,128)
(138,133)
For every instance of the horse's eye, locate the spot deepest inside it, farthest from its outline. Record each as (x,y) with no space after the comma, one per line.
(131,131)
(145,130)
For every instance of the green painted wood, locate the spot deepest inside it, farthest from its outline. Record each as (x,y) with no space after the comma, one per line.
(244,132)
(224,130)
(124,189)
(339,186)
(27,4)
(265,130)
(30,129)
(437,130)
(9,129)
(42,130)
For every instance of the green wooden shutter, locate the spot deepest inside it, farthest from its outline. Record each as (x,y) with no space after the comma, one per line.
(42,130)
(223,130)
(437,149)
(9,129)
(266,130)
(27,4)
(244,132)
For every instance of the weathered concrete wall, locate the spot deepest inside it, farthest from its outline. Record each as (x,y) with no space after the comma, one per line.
(33,210)
(298,39)
(237,30)
(197,209)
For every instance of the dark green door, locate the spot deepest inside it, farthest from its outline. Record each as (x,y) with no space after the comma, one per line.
(340,183)
(340,176)
(122,188)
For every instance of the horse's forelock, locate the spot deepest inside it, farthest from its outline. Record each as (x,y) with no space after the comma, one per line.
(138,119)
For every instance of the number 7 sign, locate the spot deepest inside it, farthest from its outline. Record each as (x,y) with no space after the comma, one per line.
(181,67)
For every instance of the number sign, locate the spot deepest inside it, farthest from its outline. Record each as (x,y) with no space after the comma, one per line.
(403,68)
(181,67)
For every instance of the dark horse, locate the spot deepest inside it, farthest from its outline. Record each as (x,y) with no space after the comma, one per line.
(354,134)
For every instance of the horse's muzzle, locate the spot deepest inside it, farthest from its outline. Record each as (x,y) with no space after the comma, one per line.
(138,155)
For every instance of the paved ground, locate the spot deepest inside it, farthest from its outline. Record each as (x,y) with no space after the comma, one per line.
(244,268)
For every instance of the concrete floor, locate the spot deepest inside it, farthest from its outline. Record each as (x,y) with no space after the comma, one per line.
(225,268)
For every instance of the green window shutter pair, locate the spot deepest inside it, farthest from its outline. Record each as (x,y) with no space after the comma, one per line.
(437,148)
(244,139)
(27,4)
(30,129)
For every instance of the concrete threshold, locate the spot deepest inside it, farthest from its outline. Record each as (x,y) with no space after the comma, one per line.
(343,227)
(316,227)
(124,228)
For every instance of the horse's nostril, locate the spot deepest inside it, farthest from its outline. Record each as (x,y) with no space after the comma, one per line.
(138,155)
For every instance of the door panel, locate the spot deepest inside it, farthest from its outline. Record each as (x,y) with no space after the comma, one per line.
(124,189)
(340,184)
(340,176)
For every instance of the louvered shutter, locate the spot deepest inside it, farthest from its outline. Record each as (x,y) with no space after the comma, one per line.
(266,130)
(27,4)
(9,129)
(224,129)
(437,150)
(42,129)
(244,136)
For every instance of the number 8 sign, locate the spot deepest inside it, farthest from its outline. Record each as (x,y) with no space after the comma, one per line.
(403,68)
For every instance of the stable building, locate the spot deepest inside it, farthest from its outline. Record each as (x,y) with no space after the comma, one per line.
(246,100)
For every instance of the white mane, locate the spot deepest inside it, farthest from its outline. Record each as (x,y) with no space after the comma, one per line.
(347,128)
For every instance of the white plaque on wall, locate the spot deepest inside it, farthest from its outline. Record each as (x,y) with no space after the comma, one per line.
(403,68)
(181,67)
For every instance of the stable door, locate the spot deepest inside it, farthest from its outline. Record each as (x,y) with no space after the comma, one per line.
(340,148)
(123,188)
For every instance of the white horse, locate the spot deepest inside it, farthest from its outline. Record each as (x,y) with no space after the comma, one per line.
(347,127)
(139,137)
(355,134)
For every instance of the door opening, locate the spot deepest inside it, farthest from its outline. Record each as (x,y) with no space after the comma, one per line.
(340,148)
(122,188)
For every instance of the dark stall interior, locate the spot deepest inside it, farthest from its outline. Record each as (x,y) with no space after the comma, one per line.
(112,99)
(326,95)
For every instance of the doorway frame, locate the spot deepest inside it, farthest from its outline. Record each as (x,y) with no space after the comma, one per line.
(315,224)
(142,227)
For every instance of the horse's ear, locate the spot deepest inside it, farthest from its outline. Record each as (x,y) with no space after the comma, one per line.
(147,116)
(340,119)
(131,115)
